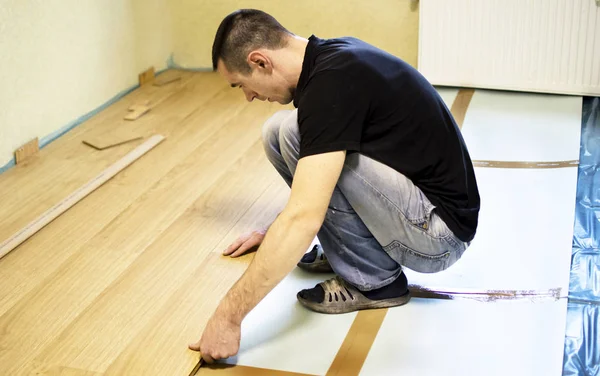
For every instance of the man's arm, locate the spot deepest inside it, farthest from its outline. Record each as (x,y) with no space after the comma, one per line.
(290,234)
(284,244)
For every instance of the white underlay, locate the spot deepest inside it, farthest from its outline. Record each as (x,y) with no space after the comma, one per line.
(503,126)
(524,236)
(448,95)
(281,334)
(430,337)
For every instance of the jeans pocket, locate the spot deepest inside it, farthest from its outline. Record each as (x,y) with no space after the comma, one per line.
(417,261)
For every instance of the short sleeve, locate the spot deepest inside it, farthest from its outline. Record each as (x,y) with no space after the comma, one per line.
(331,114)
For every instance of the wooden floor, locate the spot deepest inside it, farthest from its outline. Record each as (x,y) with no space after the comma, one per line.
(125,279)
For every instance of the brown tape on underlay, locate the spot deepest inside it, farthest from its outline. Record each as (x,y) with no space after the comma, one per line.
(460,105)
(230,370)
(514,164)
(357,344)
(459,111)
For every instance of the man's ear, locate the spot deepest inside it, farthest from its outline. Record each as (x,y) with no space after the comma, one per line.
(259,61)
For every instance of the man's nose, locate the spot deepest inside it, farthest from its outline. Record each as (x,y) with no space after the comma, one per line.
(250,95)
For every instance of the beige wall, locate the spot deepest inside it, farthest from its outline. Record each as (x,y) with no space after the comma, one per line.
(389,24)
(61,59)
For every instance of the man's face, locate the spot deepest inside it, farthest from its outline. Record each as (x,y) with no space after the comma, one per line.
(263,83)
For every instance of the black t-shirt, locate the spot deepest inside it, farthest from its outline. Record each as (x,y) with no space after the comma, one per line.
(352,96)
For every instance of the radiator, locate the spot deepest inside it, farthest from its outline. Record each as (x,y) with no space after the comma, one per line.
(526,45)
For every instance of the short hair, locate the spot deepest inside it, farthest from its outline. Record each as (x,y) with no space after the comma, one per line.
(243,31)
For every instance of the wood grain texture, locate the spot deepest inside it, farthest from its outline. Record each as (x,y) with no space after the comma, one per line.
(27,150)
(67,234)
(78,294)
(161,346)
(160,81)
(111,139)
(74,197)
(147,76)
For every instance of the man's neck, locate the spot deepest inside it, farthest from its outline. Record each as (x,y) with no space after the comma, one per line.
(294,59)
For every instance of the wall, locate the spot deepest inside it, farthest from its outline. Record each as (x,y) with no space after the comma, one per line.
(389,24)
(63,58)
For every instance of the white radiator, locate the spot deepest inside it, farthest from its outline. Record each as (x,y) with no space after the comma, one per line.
(527,45)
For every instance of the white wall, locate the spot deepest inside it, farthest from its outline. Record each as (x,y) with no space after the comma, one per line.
(61,59)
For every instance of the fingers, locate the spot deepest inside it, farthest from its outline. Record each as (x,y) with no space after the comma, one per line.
(246,246)
(244,243)
(194,346)
(234,246)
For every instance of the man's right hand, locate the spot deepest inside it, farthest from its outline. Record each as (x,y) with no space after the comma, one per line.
(245,243)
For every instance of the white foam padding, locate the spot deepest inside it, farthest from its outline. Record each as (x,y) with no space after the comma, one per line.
(281,334)
(504,126)
(430,337)
(524,236)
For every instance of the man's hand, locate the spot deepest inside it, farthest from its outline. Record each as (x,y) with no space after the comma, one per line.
(245,243)
(220,340)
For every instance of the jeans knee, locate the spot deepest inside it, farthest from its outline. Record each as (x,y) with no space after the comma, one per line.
(289,135)
(270,129)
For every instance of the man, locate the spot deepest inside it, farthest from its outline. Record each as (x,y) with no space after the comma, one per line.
(377,167)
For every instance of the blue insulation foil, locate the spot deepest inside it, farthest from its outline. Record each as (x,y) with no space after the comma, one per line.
(582,336)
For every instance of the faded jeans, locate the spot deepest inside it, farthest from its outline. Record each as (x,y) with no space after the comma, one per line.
(377,220)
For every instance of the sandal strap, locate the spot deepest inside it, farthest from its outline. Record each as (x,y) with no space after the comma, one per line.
(338,287)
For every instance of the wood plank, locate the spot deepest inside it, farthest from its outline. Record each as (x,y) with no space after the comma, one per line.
(47,370)
(23,270)
(27,150)
(145,286)
(161,347)
(116,137)
(136,111)
(160,81)
(63,205)
(24,198)
(33,319)
(146,77)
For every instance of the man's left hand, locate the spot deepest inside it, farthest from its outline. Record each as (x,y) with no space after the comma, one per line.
(220,340)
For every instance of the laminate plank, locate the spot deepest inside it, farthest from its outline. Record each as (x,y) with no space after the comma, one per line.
(178,120)
(33,322)
(161,347)
(145,286)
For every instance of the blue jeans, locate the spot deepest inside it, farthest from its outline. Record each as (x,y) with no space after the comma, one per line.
(377,221)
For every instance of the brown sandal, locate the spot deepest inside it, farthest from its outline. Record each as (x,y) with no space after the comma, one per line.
(341,297)
(315,261)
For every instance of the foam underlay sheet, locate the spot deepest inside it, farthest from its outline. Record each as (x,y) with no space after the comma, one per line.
(281,334)
(430,337)
(523,243)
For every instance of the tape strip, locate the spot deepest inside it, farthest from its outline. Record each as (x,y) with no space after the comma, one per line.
(459,111)
(514,164)
(485,295)
(355,348)
(460,105)
(229,370)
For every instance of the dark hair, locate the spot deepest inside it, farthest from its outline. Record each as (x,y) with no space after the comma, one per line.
(243,31)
